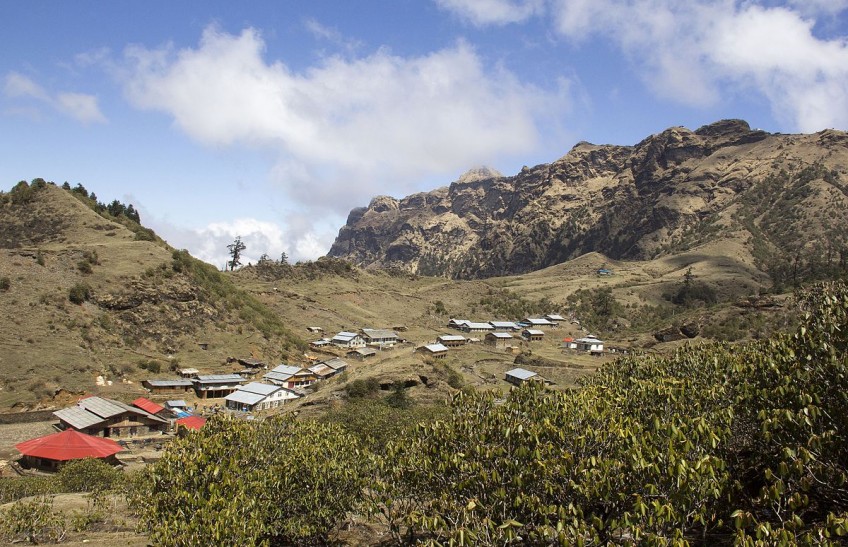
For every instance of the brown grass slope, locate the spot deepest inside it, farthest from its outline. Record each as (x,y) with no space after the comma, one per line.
(141,310)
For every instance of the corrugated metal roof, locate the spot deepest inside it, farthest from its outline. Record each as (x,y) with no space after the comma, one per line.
(435,348)
(244,397)
(503,324)
(101,407)
(535,332)
(379,333)
(504,335)
(148,405)
(169,383)
(218,378)
(555,317)
(176,403)
(259,388)
(537,321)
(286,369)
(479,326)
(322,370)
(78,418)
(278,376)
(452,337)
(521,374)
(335,363)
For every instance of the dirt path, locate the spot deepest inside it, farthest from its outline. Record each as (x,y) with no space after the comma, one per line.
(12,434)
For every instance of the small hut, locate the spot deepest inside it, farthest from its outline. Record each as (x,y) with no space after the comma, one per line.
(52,451)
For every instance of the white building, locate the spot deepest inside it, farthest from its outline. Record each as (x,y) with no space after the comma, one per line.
(255,396)
(349,340)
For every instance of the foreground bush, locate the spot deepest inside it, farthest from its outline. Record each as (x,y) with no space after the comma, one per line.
(235,482)
(714,444)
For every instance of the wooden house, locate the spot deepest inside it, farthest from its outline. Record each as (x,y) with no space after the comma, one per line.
(380,338)
(532,335)
(477,327)
(504,326)
(107,418)
(362,353)
(498,339)
(290,376)
(452,340)
(168,386)
(436,351)
(537,323)
(215,386)
(518,376)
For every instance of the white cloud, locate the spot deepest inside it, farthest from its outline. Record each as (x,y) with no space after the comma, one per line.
(345,129)
(493,12)
(79,106)
(18,85)
(298,240)
(696,51)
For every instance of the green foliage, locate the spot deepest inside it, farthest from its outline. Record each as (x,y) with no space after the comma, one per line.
(33,521)
(362,387)
(375,423)
(596,308)
(398,398)
(507,304)
(276,481)
(235,248)
(79,293)
(5,283)
(88,475)
(692,292)
(84,266)
(150,365)
(15,488)
(707,444)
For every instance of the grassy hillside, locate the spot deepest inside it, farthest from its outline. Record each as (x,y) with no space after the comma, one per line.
(97,295)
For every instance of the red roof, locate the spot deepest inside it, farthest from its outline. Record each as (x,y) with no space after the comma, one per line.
(69,445)
(192,422)
(148,405)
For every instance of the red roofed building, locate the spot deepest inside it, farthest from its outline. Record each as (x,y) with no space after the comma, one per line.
(191,422)
(51,451)
(148,405)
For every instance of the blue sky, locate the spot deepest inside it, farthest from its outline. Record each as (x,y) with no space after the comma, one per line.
(272,119)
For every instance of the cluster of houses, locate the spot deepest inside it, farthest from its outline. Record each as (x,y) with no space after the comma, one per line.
(280,384)
(89,429)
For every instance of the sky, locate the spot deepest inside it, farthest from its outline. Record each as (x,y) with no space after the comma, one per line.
(271,120)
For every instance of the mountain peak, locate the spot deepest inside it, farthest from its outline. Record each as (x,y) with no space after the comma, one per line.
(482,172)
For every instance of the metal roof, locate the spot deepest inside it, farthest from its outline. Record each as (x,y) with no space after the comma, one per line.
(475,326)
(344,336)
(335,363)
(217,378)
(245,397)
(363,351)
(78,418)
(321,369)
(589,340)
(278,376)
(286,369)
(503,335)
(169,383)
(379,333)
(176,403)
(555,317)
(452,338)
(521,374)
(148,405)
(259,388)
(538,321)
(435,348)
(535,332)
(102,407)
(503,324)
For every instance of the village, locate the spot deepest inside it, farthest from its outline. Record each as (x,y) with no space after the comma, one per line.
(129,433)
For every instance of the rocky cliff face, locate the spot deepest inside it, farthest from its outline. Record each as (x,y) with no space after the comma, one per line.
(667,193)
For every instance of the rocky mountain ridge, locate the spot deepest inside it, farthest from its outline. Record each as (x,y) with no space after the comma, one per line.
(669,193)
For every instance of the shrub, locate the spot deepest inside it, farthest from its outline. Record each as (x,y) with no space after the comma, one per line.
(235,483)
(362,388)
(88,475)
(79,293)
(5,284)
(84,266)
(32,521)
